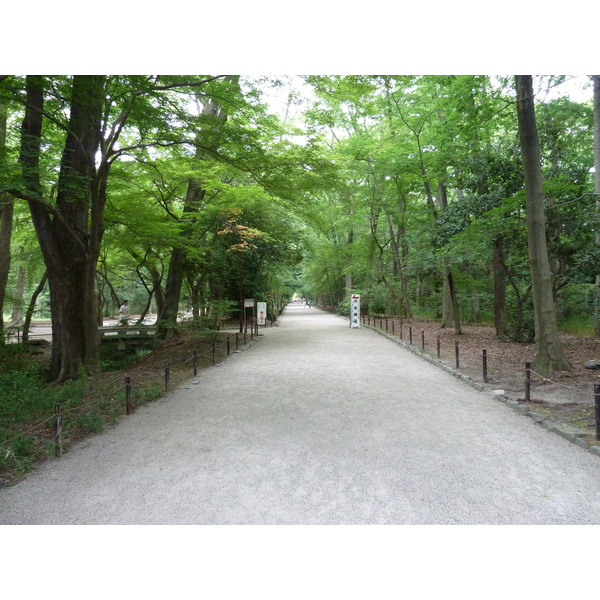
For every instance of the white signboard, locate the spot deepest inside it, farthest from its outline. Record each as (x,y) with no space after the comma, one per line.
(249,303)
(355,310)
(261,309)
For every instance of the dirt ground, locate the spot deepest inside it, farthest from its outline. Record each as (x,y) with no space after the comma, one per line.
(566,397)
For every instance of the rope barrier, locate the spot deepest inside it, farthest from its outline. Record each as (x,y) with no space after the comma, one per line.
(541,378)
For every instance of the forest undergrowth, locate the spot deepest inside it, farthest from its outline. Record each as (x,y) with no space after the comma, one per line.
(88,405)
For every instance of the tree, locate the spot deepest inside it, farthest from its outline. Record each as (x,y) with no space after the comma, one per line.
(215,115)
(549,355)
(6,222)
(108,117)
(596,79)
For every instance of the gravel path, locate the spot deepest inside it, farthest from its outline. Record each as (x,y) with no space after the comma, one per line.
(317,423)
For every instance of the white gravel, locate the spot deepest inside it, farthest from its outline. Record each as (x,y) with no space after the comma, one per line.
(317,423)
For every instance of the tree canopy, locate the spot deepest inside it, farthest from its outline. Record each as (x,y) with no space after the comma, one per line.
(192,193)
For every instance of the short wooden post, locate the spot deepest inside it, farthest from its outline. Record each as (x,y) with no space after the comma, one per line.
(527,381)
(128,395)
(58,418)
(485,375)
(423,340)
(167,376)
(195,363)
(213,351)
(227,345)
(438,346)
(456,354)
(237,340)
(401,327)
(393,327)
(386,326)
(597,403)
(410,335)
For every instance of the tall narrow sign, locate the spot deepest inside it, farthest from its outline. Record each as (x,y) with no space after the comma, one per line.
(355,311)
(261,311)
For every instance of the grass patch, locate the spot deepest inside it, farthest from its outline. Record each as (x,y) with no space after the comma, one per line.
(578,325)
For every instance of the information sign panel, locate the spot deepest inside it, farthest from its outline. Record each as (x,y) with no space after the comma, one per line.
(261,309)
(355,311)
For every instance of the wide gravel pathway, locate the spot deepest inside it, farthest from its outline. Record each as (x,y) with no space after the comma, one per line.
(316,423)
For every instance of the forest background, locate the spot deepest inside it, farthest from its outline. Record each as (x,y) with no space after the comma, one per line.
(189,193)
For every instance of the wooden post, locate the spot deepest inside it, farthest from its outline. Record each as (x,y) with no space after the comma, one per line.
(410,335)
(167,376)
(128,395)
(438,346)
(423,339)
(227,345)
(393,327)
(401,330)
(527,381)
(456,354)
(213,352)
(195,363)
(237,341)
(597,402)
(386,325)
(58,429)
(485,375)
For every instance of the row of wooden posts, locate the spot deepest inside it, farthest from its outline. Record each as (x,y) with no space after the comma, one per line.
(128,407)
(58,413)
(367,319)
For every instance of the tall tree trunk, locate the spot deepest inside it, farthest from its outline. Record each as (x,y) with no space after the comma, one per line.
(596,79)
(549,356)
(70,234)
(499,287)
(6,222)
(450,308)
(29,314)
(16,317)
(167,318)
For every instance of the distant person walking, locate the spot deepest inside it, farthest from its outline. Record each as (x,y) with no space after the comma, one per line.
(124,313)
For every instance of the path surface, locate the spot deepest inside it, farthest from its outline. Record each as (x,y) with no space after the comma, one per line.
(317,423)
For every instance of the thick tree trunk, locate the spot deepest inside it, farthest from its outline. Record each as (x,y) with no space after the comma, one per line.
(596,79)
(549,355)
(69,235)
